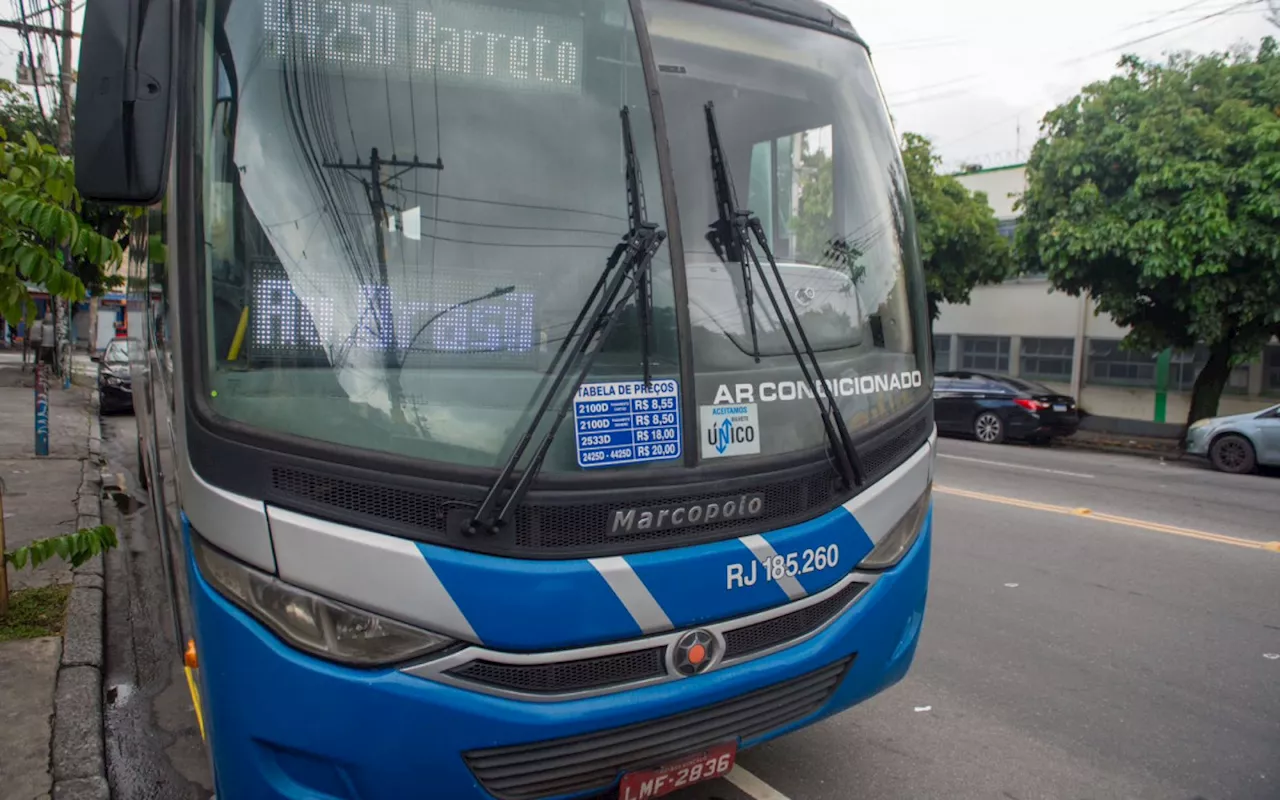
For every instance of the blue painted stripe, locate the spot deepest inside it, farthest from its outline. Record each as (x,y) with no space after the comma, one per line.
(516,604)
(692,585)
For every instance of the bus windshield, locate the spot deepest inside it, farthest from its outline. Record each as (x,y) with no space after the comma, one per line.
(811,151)
(406,203)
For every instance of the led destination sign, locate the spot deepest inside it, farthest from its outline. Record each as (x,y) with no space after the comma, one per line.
(458,42)
(446,319)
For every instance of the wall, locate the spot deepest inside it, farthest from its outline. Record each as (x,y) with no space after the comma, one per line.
(1003,186)
(1021,307)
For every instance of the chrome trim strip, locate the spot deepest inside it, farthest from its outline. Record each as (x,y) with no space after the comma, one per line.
(633,594)
(438,669)
(372,571)
(880,506)
(234,524)
(763,551)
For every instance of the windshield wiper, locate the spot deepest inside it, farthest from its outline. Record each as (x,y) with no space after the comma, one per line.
(639,219)
(723,235)
(736,227)
(625,275)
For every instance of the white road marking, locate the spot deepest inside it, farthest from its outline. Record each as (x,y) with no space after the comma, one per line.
(1015,466)
(752,785)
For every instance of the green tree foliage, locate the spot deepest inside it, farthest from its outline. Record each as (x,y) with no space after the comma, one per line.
(74,548)
(813,224)
(18,116)
(1158,192)
(39,217)
(960,243)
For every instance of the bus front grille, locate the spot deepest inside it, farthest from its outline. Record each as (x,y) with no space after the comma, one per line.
(557,677)
(594,761)
(785,629)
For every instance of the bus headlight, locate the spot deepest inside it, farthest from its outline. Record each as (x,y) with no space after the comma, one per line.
(898,541)
(310,622)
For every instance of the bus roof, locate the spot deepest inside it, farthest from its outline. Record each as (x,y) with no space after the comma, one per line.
(811,13)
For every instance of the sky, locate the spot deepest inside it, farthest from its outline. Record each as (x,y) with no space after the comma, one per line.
(977,76)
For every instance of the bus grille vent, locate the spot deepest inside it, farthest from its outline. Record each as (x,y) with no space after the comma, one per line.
(594,761)
(780,630)
(882,459)
(568,676)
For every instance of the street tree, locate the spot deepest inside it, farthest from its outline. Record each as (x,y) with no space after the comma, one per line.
(18,115)
(1155,192)
(41,226)
(960,242)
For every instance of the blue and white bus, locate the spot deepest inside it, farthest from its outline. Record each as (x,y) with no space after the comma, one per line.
(537,399)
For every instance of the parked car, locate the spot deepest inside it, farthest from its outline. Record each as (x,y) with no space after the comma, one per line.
(992,408)
(115,387)
(1238,442)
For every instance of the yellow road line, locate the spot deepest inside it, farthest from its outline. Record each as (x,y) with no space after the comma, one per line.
(1086,513)
(195,699)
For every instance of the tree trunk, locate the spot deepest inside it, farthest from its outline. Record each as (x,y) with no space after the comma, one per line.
(1210,383)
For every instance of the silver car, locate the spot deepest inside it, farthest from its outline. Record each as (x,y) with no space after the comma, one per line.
(1240,442)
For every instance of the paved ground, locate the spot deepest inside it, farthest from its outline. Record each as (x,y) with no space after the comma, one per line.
(28,672)
(40,501)
(153,743)
(1062,656)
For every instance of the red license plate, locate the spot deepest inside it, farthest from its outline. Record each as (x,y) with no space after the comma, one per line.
(711,763)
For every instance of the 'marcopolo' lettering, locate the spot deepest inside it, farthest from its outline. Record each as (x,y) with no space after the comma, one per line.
(657,518)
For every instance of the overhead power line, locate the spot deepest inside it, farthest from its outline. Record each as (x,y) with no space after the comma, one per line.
(932,95)
(1157,34)
(19,25)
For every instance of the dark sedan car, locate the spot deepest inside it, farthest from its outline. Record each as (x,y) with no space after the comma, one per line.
(992,408)
(115,386)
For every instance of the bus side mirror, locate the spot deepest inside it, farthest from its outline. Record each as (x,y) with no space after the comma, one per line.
(123,104)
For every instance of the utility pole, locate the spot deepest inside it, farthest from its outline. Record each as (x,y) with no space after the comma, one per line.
(378,177)
(65,81)
(63,319)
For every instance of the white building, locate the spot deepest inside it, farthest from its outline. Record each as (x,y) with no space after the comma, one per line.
(1024,328)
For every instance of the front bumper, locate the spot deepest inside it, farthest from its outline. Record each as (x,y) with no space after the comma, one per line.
(283,724)
(115,396)
(1198,440)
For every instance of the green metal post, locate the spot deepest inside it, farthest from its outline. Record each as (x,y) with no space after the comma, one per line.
(1162,382)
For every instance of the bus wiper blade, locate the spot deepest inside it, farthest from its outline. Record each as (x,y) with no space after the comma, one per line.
(744,225)
(636,211)
(632,271)
(723,236)
(628,266)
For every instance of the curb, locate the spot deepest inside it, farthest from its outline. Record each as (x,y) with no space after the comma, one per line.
(1170,454)
(79,755)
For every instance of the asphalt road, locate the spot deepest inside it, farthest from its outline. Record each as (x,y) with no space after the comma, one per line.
(1065,654)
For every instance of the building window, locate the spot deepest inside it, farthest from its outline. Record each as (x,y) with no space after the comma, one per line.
(1271,370)
(1047,359)
(1110,365)
(990,353)
(941,352)
(1007,227)
(1184,366)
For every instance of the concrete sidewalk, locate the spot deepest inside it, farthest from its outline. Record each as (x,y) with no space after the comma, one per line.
(45,755)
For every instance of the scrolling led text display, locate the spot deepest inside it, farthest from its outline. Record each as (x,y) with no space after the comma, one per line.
(437,321)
